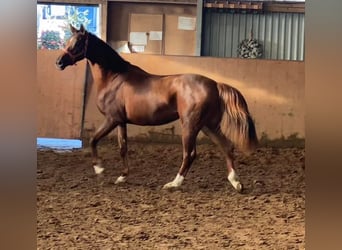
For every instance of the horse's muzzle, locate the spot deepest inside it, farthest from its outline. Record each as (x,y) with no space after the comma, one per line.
(59,64)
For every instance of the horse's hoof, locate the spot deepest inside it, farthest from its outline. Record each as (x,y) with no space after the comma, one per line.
(167,186)
(239,187)
(98,169)
(120,179)
(170,185)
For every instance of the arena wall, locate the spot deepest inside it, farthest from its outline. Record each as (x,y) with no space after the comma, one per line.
(274,91)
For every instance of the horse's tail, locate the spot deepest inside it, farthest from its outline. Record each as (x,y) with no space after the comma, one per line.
(236,123)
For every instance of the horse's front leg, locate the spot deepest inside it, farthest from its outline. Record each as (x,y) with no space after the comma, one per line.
(122,139)
(107,126)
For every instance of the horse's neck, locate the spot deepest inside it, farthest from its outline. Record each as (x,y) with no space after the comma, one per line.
(102,54)
(135,69)
(106,65)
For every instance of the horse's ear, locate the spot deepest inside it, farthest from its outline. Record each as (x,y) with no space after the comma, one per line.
(82,29)
(73,29)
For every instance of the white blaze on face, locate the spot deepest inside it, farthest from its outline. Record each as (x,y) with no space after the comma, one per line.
(72,41)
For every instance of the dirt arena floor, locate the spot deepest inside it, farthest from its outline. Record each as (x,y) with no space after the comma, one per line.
(78,210)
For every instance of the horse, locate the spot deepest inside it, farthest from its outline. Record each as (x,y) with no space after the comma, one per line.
(126,94)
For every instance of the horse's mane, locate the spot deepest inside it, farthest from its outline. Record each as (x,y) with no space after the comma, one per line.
(101,53)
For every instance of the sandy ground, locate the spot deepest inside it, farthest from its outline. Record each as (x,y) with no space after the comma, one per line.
(78,210)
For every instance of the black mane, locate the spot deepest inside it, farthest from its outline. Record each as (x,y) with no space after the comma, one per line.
(101,53)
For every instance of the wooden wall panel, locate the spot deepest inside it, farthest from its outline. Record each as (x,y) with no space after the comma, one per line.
(179,41)
(60,97)
(119,16)
(275,90)
(146,23)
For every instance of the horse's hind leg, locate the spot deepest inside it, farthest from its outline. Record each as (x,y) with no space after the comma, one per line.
(189,155)
(227,148)
(122,139)
(107,126)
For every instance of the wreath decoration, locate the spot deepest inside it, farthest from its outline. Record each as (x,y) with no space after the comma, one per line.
(250,48)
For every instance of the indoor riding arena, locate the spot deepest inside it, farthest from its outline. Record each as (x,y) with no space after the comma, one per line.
(189,185)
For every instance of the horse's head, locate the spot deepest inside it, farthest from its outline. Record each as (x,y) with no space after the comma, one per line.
(75,49)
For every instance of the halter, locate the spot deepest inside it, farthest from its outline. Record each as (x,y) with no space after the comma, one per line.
(82,53)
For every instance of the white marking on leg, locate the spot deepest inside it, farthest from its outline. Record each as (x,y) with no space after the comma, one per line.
(234,180)
(120,179)
(98,169)
(176,182)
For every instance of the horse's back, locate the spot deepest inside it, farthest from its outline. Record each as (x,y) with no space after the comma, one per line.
(198,96)
(155,100)
(197,88)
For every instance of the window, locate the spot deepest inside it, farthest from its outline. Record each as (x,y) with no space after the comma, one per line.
(53,22)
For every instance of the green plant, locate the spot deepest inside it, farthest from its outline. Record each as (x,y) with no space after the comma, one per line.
(50,39)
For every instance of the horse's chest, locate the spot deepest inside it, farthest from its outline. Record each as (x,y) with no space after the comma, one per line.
(100,78)
(101,105)
(108,101)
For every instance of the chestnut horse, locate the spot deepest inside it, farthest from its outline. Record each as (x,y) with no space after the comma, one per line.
(126,94)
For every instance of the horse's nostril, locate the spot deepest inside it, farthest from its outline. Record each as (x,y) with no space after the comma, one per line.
(59,64)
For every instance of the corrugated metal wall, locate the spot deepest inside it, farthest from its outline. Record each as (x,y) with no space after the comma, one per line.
(281,34)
